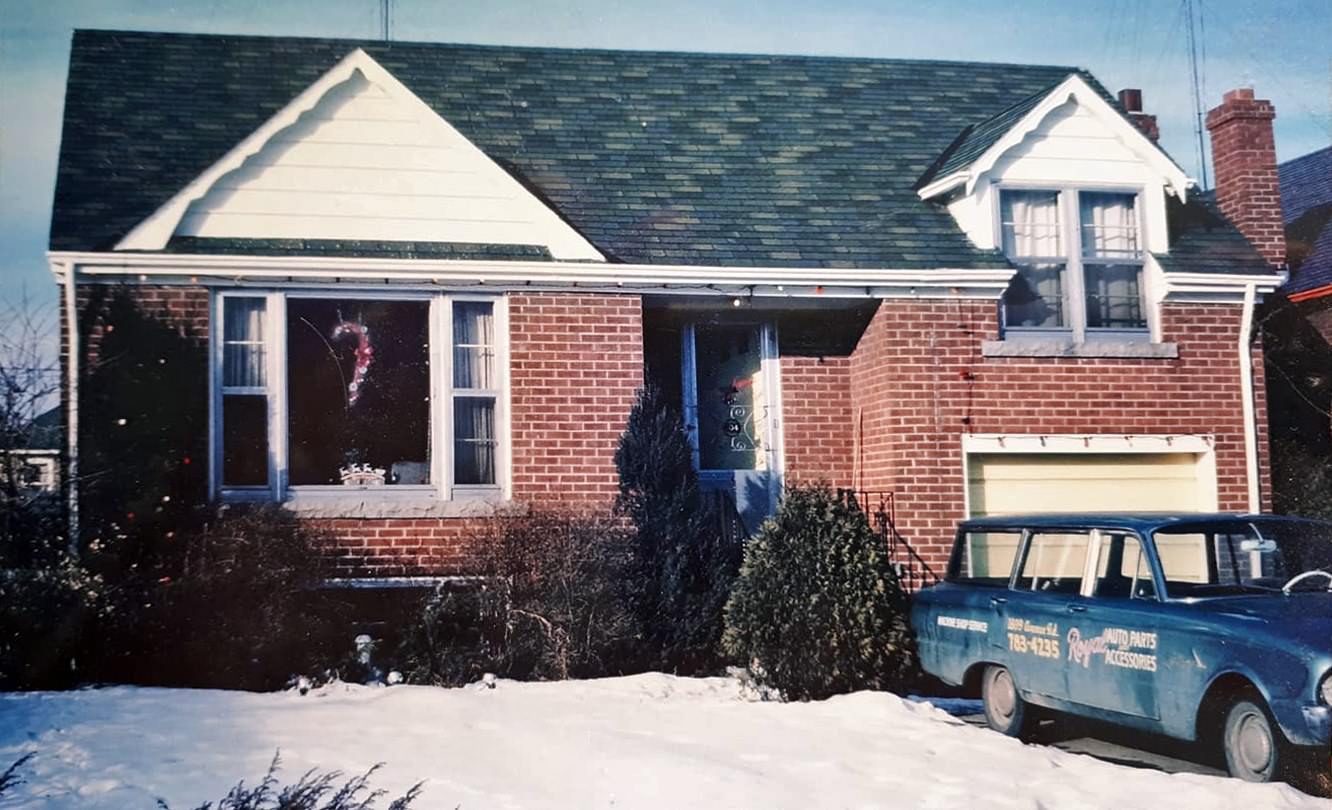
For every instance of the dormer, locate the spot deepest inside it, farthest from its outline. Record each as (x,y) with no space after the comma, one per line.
(1074,194)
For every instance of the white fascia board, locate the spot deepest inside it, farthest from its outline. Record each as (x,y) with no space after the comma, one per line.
(1074,87)
(1214,288)
(155,231)
(1089,443)
(952,283)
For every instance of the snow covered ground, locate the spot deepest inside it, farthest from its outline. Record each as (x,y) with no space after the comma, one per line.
(649,741)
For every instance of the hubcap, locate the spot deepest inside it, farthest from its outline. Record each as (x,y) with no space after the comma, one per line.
(1253,743)
(1002,694)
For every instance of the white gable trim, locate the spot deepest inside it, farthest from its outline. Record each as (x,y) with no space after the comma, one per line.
(1076,89)
(155,231)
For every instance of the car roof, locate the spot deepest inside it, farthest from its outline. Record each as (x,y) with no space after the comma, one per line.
(1136,521)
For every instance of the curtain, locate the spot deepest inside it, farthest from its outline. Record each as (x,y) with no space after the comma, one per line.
(1030,221)
(1114,296)
(473,345)
(243,343)
(474,440)
(1109,225)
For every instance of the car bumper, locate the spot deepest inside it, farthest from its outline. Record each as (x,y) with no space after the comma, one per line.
(1304,724)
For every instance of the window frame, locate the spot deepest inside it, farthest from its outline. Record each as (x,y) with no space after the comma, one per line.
(440,353)
(1074,281)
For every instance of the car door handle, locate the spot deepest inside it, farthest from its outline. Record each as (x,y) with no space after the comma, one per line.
(1077,608)
(996,601)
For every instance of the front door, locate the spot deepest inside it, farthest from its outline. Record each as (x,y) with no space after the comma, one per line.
(730,392)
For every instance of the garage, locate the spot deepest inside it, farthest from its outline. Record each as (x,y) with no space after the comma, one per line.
(1016,482)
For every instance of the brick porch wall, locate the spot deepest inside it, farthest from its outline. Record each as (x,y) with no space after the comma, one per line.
(575,364)
(817,419)
(921,381)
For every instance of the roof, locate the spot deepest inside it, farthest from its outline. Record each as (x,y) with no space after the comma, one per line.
(654,157)
(1138,521)
(1306,208)
(976,139)
(1202,240)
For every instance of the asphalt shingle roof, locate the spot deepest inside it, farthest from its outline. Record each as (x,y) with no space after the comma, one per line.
(1202,240)
(704,159)
(1306,207)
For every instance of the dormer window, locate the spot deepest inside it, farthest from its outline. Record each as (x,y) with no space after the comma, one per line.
(1076,281)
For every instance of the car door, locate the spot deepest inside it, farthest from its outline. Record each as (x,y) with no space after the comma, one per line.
(1050,577)
(1112,637)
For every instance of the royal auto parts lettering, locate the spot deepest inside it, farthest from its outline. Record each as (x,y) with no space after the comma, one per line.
(1117,647)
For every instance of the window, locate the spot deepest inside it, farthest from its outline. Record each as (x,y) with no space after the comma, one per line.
(327,395)
(1080,281)
(1054,562)
(1123,571)
(985,558)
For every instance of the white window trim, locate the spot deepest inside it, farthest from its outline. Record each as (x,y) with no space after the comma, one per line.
(442,489)
(1070,238)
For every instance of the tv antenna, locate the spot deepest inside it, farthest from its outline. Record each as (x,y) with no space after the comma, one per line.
(386,19)
(1197,32)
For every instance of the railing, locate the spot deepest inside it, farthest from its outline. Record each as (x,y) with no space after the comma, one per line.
(880,507)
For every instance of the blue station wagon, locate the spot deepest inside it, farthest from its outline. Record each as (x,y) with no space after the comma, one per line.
(1212,628)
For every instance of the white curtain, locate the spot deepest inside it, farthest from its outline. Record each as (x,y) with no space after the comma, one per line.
(243,343)
(1109,225)
(1030,224)
(473,345)
(474,440)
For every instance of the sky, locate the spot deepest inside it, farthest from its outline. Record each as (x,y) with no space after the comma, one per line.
(1280,47)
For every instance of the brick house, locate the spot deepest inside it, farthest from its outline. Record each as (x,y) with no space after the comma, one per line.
(428,279)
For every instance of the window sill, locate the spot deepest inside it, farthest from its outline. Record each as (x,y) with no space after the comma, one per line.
(1063,347)
(376,506)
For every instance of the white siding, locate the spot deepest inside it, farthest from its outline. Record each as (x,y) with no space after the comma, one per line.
(361,164)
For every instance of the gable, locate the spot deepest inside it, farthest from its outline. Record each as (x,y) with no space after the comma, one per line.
(358,157)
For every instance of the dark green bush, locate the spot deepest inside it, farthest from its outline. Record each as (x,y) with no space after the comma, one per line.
(46,616)
(313,791)
(683,562)
(552,602)
(817,609)
(230,602)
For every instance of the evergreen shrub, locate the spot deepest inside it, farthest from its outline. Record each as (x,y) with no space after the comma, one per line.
(684,563)
(817,609)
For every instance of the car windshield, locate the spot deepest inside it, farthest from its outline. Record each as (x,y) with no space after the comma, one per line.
(1223,558)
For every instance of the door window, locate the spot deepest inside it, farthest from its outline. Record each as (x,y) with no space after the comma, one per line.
(1054,562)
(732,405)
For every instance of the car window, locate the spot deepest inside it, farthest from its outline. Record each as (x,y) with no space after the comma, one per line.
(1249,555)
(1122,570)
(1054,562)
(985,558)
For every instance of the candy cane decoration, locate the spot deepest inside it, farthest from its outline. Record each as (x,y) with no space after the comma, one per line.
(364,355)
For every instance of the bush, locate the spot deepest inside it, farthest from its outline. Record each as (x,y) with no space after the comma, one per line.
(1301,480)
(313,791)
(228,603)
(683,561)
(817,609)
(553,602)
(46,612)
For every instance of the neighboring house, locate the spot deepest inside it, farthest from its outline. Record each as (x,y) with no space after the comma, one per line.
(1306,210)
(37,461)
(430,278)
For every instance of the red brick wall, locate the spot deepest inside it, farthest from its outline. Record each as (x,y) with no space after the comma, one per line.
(921,381)
(1244,158)
(575,364)
(817,419)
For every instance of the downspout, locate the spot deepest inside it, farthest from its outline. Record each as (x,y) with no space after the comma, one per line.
(72,407)
(1246,380)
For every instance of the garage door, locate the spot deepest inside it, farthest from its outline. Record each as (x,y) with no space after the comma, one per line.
(1010,483)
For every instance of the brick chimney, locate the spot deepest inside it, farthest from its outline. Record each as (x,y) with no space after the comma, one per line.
(1244,159)
(1130,98)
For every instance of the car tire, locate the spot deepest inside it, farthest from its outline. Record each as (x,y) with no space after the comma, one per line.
(1005,710)
(1254,747)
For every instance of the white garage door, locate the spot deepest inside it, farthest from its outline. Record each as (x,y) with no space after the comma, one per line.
(1011,483)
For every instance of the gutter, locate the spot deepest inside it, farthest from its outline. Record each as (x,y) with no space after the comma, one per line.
(1247,399)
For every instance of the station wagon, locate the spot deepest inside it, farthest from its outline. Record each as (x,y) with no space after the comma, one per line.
(1210,628)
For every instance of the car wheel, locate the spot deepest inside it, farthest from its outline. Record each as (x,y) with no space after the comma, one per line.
(1005,710)
(1255,749)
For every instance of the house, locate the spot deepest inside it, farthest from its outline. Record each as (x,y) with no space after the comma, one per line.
(1306,210)
(425,279)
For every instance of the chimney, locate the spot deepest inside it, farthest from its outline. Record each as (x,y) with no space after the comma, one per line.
(1130,99)
(1244,160)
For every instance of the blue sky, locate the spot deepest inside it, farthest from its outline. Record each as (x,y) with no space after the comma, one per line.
(1280,48)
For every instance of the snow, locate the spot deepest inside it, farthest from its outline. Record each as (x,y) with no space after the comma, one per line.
(648,741)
